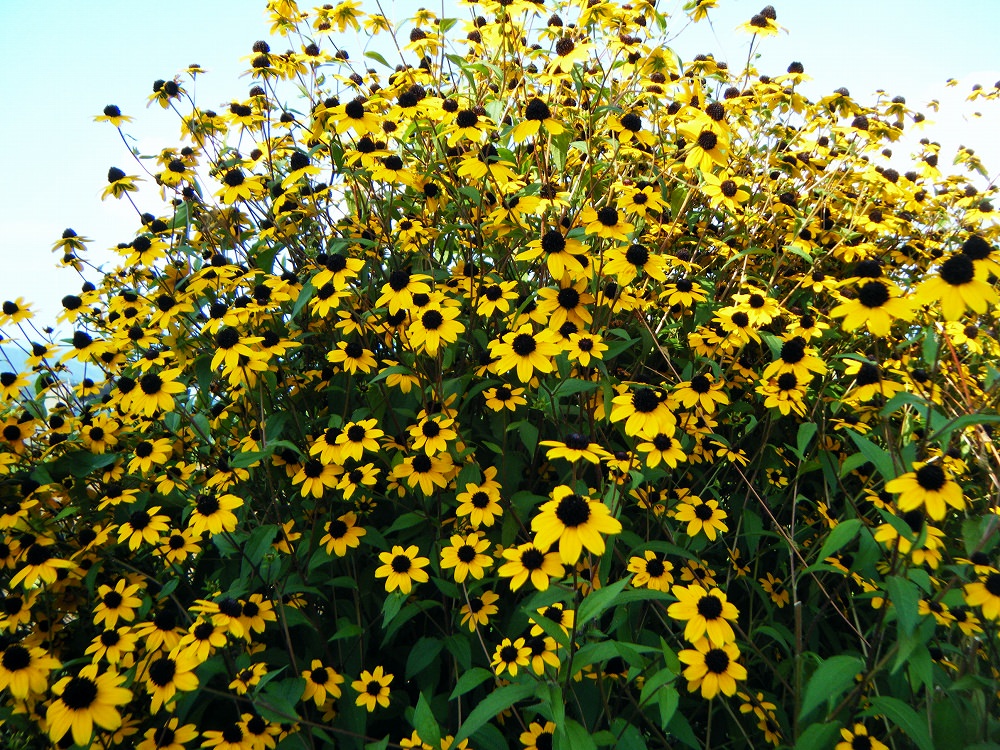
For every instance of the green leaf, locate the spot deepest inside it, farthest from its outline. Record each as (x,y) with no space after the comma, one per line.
(259,543)
(422,654)
(829,681)
(597,601)
(668,699)
(278,701)
(905,597)
(805,434)
(818,736)
(499,700)
(904,717)
(469,680)
(842,534)
(571,735)
(425,723)
(880,458)
(373,55)
(571,386)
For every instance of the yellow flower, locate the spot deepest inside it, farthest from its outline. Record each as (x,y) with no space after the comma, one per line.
(372,688)
(575,522)
(401,568)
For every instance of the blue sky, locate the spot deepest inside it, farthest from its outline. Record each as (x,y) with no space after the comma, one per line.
(62,67)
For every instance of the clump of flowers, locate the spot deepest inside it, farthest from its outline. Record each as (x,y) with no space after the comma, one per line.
(536,386)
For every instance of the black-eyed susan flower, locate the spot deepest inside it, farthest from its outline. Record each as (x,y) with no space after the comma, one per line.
(202,639)
(117,603)
(213,514)
(401,567)
(985,594)
(625,264)
(703,391)
(504,397)
(859,739)
(725,190)
(559,252)
(957,287)
(83,700)
(432,434)
(538,736)
(702,517)
(358,478)
(537,114)
(168,736)
(652,571)
(575,522)
(528,562)
(661,447)
(575,447)
(321,683)
(525,351)
(248,678)
(929,485)
(480,503)
(706,612)
(712,668)
(426,472)
(876,305)
(372,688)
(478,610)
(24,670)
(567,303)
(555,613)
(398,292)
(355,438)
(316,477)
(143,526)
(584,347)
(465,555)
(231,737)
(644,411)
(433,327)
(510,655)
(149,453)
(353,357)
(167,675)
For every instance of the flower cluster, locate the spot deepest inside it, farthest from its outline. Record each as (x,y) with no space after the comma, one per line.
(542,386)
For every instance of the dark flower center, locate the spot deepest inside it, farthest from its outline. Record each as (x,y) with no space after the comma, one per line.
(150,384)
(399,280)
(523,344)
(422,463)
(553,242)
(869,374)
(701,384)
(568,298)
(703,511)
(717,661)
(787,381)
(537,110)
(337,529)
(637,255)
(710,607)
(508,654)
(564,46)
(162,671)
(573,510)
(655,567)
(15,657)
(319,676)
(480,500)
(707,140)
(976,248)
(576,441)
(992,584)
(532,559)
(740,319)
(112,600)
(79,693)
(374,687)
(958,269)
(631,122)
(607,216)
(644,400)
(931,477)
(312,468)
(432,320)
(466,553)
(207,504)
(466,118)
(139,520)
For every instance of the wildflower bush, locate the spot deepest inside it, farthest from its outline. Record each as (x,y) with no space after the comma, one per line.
(542,390)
